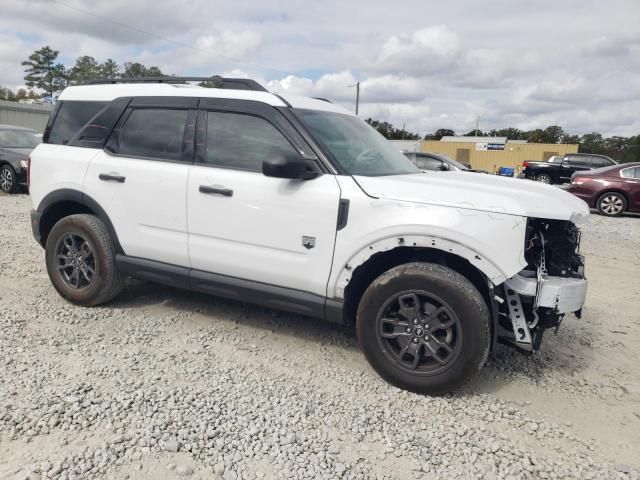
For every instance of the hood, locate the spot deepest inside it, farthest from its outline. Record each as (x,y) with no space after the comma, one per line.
(487,193)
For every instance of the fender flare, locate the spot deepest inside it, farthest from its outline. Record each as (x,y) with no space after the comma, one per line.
(70,195)
(483,264)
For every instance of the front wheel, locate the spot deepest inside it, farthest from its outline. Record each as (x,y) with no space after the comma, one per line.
(424,327)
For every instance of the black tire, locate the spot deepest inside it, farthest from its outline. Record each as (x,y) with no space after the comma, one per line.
(611,204)
(8,179)
(105,282)
(459,301)
(544,178)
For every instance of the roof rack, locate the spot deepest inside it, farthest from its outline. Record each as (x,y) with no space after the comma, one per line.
(228,83)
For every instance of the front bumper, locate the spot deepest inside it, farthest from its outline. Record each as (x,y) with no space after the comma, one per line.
(561,294)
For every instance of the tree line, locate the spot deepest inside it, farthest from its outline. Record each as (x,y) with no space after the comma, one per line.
(43,71)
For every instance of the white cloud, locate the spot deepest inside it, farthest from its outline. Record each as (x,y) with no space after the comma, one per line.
(423,51)
(229,43)
(513,63)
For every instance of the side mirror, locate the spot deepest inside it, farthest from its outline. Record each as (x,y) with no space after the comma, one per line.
(443,167)
(288,165)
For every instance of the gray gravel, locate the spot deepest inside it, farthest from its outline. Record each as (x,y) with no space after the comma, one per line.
(163,383)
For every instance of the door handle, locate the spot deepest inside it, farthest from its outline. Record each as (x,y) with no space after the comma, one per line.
(225,192)
(107,177)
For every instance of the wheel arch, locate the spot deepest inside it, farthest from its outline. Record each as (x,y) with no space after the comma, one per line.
(612,190)
(355,279)
(64,202)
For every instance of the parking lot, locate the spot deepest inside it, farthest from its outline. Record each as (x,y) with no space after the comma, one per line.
(163,383)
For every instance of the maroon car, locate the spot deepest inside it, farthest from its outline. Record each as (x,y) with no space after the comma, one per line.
(612,190)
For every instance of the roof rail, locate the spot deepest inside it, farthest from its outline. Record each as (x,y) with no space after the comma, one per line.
(228,83)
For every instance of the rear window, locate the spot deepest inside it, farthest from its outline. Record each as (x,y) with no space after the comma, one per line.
(70,118)
(631,172)
(576,161)
(153,133)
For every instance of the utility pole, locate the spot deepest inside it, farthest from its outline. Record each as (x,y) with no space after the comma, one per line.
(357,97)
(477,121)
(403,125)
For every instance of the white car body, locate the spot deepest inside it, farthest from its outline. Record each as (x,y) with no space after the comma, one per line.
(255,235)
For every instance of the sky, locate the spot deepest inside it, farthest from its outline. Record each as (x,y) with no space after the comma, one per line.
(424,64)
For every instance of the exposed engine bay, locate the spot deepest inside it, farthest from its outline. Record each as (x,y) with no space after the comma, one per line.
(551,285)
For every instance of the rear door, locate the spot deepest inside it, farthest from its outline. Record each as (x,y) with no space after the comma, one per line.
(572,164)
(140,178)
(245,225)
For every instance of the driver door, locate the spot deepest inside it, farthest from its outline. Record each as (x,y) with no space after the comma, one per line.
(245,225)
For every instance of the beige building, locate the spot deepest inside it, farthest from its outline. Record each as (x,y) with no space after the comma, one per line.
(491,153)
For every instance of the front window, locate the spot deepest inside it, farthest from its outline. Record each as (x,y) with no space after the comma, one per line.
(357,147)
(19,139)
(242,141)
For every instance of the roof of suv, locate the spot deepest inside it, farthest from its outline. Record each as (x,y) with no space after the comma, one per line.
(108,92)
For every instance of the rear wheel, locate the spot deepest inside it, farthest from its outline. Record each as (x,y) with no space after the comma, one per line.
(80,258)
(424,327)
(8,179)
(612,204)
(544,178)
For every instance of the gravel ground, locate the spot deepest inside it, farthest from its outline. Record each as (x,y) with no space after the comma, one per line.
(167,384)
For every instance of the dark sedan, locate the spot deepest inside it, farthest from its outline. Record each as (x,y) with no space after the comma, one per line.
(612,190)
(16,144)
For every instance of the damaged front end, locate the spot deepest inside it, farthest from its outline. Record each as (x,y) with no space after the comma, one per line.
(552,285)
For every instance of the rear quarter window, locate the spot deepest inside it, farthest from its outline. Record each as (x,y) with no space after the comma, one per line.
(70,117)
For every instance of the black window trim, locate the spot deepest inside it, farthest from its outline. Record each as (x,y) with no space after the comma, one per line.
(261,110)
(186,154)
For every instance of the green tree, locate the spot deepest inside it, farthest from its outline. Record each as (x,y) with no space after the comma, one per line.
(552,134)
(592,143)
(475,133)
(21,94)
(109,69)
(86,68)
(510,132)
(42,71)
(438,134)
(390,132)
(7,94)
(135,69)
(566,138)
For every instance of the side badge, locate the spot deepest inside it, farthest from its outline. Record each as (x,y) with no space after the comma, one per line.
(308,242)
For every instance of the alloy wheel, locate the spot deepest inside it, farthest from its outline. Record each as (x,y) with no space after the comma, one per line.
(6,180)
(612,204)
(419,332)
(543,179)
(75,261)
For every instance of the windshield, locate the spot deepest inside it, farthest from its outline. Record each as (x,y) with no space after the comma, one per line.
(357,147)
(19,139)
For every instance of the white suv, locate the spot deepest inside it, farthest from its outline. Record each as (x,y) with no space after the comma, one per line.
(296,204)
